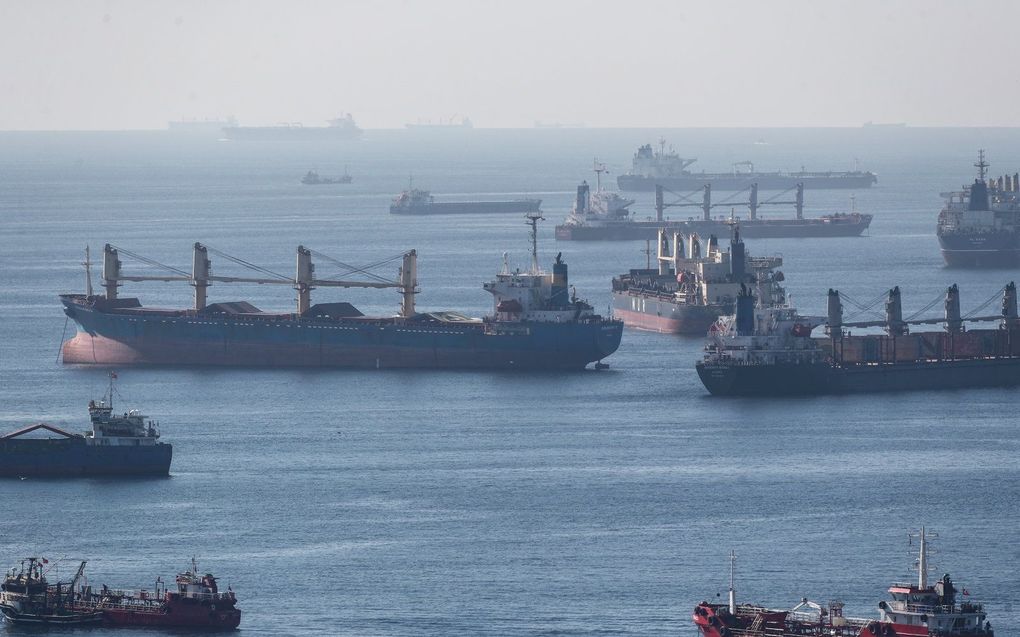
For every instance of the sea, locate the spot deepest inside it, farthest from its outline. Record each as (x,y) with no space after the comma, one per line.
(421,502)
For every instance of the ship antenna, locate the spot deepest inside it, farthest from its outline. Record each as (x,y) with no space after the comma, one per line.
(113,375)
(88,272)
(533,219)
(922,560)
(981,164)
(733,593)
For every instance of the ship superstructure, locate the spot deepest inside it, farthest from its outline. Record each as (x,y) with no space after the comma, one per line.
(651,168)
(916,609)
(767,349)
(693,285)
(115,444)
(595,209)
(549,330)
(979,226)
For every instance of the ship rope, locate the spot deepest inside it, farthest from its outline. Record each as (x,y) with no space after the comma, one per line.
(776,196)
(863,307)
(726,200)
(993,298)
(152,262)
(246,264)
(353,269)
(924,309)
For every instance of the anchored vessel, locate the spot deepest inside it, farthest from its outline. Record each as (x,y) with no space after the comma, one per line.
(415,201)
(767,350)
(651,168)
(690,289)
(27,598)
(535,324)
(124,444)
(916,609)
(312,178)
(591,223)
(979,226)
(338,129)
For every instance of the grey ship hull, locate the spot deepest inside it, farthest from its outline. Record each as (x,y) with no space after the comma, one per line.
(837,226)
(821,378)
(73,457)
(658,314)
(981,250)
(765,181)
(469,207)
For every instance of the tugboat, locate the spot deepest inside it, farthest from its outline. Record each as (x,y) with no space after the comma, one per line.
(27,598)
(690,290)
(312,178)
(124,444)
(198,602)
(917,609)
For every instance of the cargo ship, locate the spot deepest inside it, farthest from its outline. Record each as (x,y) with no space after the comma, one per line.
(415,201)
(651,168)
(338,129)
(979,226)
(196,603)
(587,222)
(768,350)
(455,123)
(27,598)
(691,289)
(916,608)
(313,178)
(116,444)
(536,323)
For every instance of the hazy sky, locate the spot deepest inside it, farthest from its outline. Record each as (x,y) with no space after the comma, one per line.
(95,64)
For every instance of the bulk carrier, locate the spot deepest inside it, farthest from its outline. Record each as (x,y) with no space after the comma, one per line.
(690,290)
(651,168)
(591,219)
(415,201)
(917,608)
(536,322)
(979,226)
(767,349)
(337,129)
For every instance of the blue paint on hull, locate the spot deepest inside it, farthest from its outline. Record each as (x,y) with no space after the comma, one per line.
(73,457)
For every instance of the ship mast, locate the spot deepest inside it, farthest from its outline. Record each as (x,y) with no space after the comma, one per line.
(599,169)
(532,219)
(733,593)
(981,164)
(922,560)
(88,272)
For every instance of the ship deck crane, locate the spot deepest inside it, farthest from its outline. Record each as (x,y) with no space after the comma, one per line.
(304,280)
(706,204)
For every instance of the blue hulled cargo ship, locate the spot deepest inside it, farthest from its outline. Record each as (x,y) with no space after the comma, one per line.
(535,324)
(117,444)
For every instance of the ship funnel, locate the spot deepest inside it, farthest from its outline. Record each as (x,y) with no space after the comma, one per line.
(559,296)
(303,278)
(894,324)
(111,271)
(745,311)
(953,321)
(1009,316)
(581,203)
(200,266)
(834,326)
(738,260)
(713,245)
(978,195)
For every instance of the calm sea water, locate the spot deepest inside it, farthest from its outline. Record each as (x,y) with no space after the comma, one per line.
(486,503)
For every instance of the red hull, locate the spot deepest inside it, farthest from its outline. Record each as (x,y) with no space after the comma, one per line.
(664,324)
(176,616)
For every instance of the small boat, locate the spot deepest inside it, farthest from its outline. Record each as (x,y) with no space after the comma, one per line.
(27,598)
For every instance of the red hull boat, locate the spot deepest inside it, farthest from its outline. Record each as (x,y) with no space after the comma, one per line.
(916,609)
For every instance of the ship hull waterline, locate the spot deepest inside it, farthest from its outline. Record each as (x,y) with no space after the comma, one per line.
(821,378)
(122,339)
(657,315)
